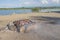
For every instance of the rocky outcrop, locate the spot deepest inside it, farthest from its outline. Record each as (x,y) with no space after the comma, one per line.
(18,25)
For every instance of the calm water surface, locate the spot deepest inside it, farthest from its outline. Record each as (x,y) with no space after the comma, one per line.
(6,12)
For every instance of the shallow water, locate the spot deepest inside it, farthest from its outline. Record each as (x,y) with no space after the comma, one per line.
(7,12)
(50,10)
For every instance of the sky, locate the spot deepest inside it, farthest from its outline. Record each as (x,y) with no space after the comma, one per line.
(28,3)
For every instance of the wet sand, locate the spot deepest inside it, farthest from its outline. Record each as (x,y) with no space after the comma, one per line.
(38,31)
(41,30)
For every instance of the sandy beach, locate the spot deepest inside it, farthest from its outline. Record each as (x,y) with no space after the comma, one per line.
(42,30)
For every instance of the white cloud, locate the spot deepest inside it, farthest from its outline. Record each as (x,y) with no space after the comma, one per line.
(44,2)
(7,5)
(27,3)
(55,1)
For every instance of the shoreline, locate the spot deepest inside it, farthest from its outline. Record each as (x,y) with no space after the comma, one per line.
(9,18)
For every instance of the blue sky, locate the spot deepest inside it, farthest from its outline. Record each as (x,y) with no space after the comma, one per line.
(28,3)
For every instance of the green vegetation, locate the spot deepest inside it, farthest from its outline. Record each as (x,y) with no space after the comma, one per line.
(12,8)
(50,7)
(35,9)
